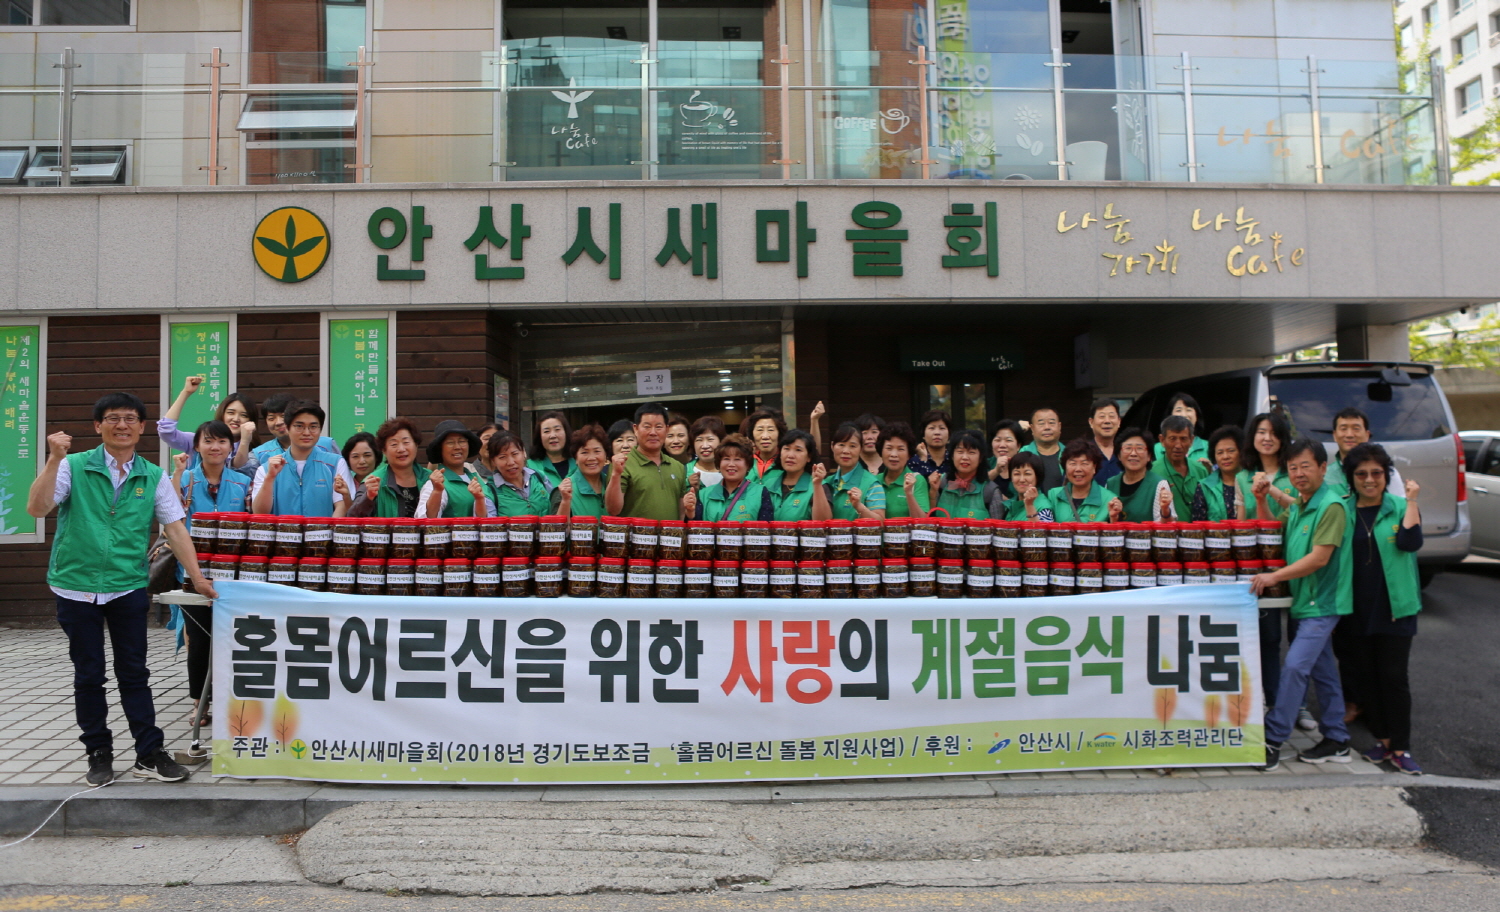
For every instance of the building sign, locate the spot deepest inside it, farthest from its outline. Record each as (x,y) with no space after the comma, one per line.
(198,350)
(961,353)
(360,385)
(21,442)
(653,382)
(291,244)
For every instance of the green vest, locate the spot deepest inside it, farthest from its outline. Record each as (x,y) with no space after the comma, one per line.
(102,537)
(1400,567)
(1095,507)
(545,467)
(964,504)
(789,506)
(746,508)
(1140,506)
(585,502)
(386,504)
(1330,591)
(838,500)
(460,501)
(509,502)
(1213,495)
(1183,487)
(1015,508)
(895,494)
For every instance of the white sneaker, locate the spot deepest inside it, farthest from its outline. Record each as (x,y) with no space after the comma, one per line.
(1305,720)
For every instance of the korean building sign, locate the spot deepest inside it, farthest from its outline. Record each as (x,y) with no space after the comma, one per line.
(359,375)
(20,407)
(198,350)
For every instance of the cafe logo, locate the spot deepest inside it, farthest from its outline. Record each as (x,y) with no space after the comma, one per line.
(291,244)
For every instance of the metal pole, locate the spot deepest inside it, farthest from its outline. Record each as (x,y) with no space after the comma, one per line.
(1317,117)
(1059,112)
(923,106)
(65,120)
(1190,123)
(500,111)
(215,96)
(1440,135)
(648,116)
(786,161)
(362,83)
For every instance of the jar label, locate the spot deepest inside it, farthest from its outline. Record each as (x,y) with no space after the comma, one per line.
(671,538)
(371,579)
(1222,577)
(524,536)
(837,578)
(1090,582)
(316,535)
(1165,541)
(289,536)
(1138,544)
(1035,577)
(253,576)
(1219,542)
(340,537)
(1007,580)
(1245,539)
(898,536)
(617,536)
(581,574)
(582,534)
(311,576)
(922,576)
(761,539)
(1060,542)
(668,578)
(698,577)
(950,577)
(457,575)
(466,535)
(612,577)
(951,538)
(228,534)
(1086,539)
(378,538)
(1034,540)
(1272,537)
(1062,580)
(981,539)
(281,576)
(641,577)
(1168,579)
(1144,581)
(406,537)
(406,577)
(926,535)
(644,539)
(980,582)
(517,574)
(834,539)
(546,537)
(1190,544)
(1112,539)
(869,577)
(814,577)
(752,577)
(429,577)
(549,574)
(264,535)
(431,538)
(783,577)
(695,537)
(867,539)
(780,540)
(725,538)
(1009,541)
(340,577)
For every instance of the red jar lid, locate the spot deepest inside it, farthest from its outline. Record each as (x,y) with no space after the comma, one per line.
(946,562)
(453,562)
(406,521)
(1275,564)
(523,519)
(726,565)
(824,524)
(429,562)
(867,563)
(809,565)
(698,564)
(676,524)
(253,559)
(1195,565)
(637,563)
(574,561)
(282,561)
(204,556)
(507,561)
(723,525)
(1060,565)
(839,564)
(897,521)
(550,561)
(1040,565)
(1224,565)
(752,565)
(407,562)
(951,523)
(922,562)
(1255,565)
(895,562)
(1090,565)
(669,565)
(1169,565)
(1204,525)
(340,561)
(313,562)
(235,558)
(1146,565)
(788,564)
(371,562)
(642,523)
(587,520)
(752,524)
(1268,523)
(783,524)
(603,561)
(867,524)
(1012,565)
(1116,566)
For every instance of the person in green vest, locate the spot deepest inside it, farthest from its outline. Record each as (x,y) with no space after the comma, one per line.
(1373,644)
(1222,495)
(1081,498)
(582,492)
(392,489)
(853,491)
(1184,406)
(108,500)
(452,489)
(515,489)
(1029,503)
(737,498)
(906,492)
(1351,427)
(1182,474)
(1144,495)
(796,486)
(1005,442)
(765,427)
(1318,569)
(1046,442)
(1265,456)
(960,495)
(550,437)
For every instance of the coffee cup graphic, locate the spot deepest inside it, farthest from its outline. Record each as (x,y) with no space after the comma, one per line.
(697,113)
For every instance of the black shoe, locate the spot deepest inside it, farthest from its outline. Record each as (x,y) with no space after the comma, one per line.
(1327,751)
(159,766)
(101,767)
(1273,757)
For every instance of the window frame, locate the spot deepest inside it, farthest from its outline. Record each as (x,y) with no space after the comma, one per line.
(1478,84)
(1458,45)
(135,6)
(1460,6)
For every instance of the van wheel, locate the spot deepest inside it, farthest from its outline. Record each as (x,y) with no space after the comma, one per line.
(1425,575)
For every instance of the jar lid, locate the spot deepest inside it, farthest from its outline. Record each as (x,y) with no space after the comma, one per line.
(452,562)
(371,562)
(867,524)
(260,518)
(574,561)
(507,561)
(1040,565)
(1195,565)
(642,562)
(696,523)
(406,521)
(948,562)
(1224,565)
(747,565)
(1205,525)
(313,562)
(726,565)
(463,520)
(555,518)
(677,524)
(1275,564)
(824,524)
(951,523)
(1090,565)
(523,519)
(1169,565)
(751,524)
(587,520)
(723,525)
(670,565)
(898,521)
(790,563)
(283,561)
(1142,565)
(782,524)
(699,564)
(807,565)
(1059,565)
(253,559)
(867,563)
(1252,565)
(1242,523)
(838,564)
(234,515)
(923,562)
(549,561)
(1268,523)
(404,562)
(1112,565)
(226,557)
(341,561)
(611,561)
(287,519)
(643,523)
(990,565)
(428,562)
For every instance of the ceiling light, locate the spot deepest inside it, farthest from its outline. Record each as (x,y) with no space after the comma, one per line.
(725,371)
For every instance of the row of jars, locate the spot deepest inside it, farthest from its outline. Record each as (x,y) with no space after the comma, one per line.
(644,539)
(638,578)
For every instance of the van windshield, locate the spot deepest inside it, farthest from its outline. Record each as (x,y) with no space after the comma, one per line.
(1414,412)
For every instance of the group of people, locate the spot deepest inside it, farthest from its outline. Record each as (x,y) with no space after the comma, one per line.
(1352,527)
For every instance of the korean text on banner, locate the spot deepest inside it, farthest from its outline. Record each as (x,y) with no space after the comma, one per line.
(19,433)
(359,376)
(394,689)
(198,349)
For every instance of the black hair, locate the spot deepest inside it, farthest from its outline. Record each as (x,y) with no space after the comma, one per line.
(1176,423)
(1128,434)
(537,450)
(1014,426)
(869,420)
(304,407)
(582,436)
(1191,403)
(1346,414)
(845,431)
(1305,445)
(616,431)
(276,403)
(1027,458)
(110,401)
(897,430)
(968,439)
(1367,452)
(1085,447)
(1227,432)
(1283,433)
(367,438)
(708,424)
(651,408)
(796,434)
(500,441)
(932,415)
(764,413)
(739,443)
(213,430)
(1101,403)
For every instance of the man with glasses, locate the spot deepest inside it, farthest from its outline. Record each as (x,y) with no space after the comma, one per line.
(303,479)
(108,498)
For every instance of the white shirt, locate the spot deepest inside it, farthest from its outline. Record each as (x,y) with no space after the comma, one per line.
(167,505)
(426,492)
(341,470)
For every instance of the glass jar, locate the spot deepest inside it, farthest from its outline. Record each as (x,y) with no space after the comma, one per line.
(1090,578)
(950,578)
(640,576)
(784,579)
(406,539)
(1218,543)
(757,541)
(464,541)
(1062,579)
(1008,579)
(671,540)
(950,533)
(868,538)
(436,537)
(979,580)
(1245,572)
(813,539)
(1281,590)
(726,579)
(729,540)
(1059,543)
(369,576)
(783,541)
(669,579)
(522,533)
(375,537)
(1033,543)
(341,575)
(548,576)
(551,536)
(582,532)
(643,539)
(839,579)
(282,571)
(515,577)
(924,537)
(582,572)
(1005,540)
(1034,580)
(698,579)
(429,577)
(494,536)
(1244,540)
(611,578)
(700,540)
(458,577)
(312,574)
(1223,572)
(1164,541)
(345,537)
(1168,573)
(233,530)
(1195,573)
(203,564)
(486,577)
(221,567)
(1112,542)
(867,579)
(205,532)
(401,577)
(260,535)
(838,540)
(895,537)
(923,577)
(288,537)
(253,569)
(978,540)
(614,536)
(1190,541)
(1086,543)
(1116,576)
(1268,537)
(1142,575)
(895,578)
(317,536)
(1138,543)
(755,579)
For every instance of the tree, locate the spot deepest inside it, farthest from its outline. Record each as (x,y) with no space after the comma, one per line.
(1440,342)
(1477,152)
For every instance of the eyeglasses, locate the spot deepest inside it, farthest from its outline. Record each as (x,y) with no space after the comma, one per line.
(308,428)
(1376,473)
(126,420)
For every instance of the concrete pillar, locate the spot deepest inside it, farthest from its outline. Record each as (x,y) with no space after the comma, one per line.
(1374,343)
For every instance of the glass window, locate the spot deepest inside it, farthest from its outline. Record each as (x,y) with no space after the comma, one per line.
(1429,15)
(12,163)
(1412,412)
(1470,96)
(1466,45)
(305,41)
(67,12)
(1408,36)
(1461,5)
(90,166)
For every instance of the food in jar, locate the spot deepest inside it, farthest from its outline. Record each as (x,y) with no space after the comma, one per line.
(222,567)
(1190,541)
(515,577)
(895,578)
(698,579)
(726,579)
(838,539)
(868,537)
(582,571)
(895,537)
(486,577)
(369,576)
(1164,541)
(867,579)
(838,579)
(784,579)
(522,532)
(755,579)
(1086,543)
(464,540)
(1059,543)
(977,539)
(548,576)
(551,536)
(406,539)
(312,574)
(1062,579)
(757,541)
(458,577)
(204,532)
(436,537)
(1195,573)
(582,531)
(729,540)
(341,575)
(950,539)
(260,536)
(1005,540)
(669,579)
(1268,537)
(1223,572)
(643,538)
(429,577)
(1279,590)
(924,537)
(1168,573)
(252,569)
(671,541)
(700,540)
(1033,543)
(1244,540)
(1008,579)
(282,570)
(614,537)
(1218,543)
(611,577)
(1142,575)
(1035,579)
(401,576)
(783,541)
(494,536)
(1138,543)
(233,529)
(923,578)
(979,580)
(1090,578)
(1116,576)
(1246,571)
(317,536)
(375,538)
(1112,542)
(950,578)
(640,577)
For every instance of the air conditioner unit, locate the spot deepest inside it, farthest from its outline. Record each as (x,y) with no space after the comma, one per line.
(1495,90)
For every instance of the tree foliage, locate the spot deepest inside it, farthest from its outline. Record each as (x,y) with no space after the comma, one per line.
(1440,342)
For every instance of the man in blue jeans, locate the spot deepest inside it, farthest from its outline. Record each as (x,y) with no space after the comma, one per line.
(108,500)
(1318,570)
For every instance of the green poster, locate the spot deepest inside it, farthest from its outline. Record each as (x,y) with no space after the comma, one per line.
(198,349)
(359,379)
(20,439)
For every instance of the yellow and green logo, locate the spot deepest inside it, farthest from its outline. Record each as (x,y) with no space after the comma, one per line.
(291,244)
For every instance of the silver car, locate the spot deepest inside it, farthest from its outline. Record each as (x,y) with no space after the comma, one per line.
(1482,455)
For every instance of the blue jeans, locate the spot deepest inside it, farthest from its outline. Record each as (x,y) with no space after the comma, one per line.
(84,624)
(1310,657)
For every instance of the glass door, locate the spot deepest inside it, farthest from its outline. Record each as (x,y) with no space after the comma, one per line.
(972,398)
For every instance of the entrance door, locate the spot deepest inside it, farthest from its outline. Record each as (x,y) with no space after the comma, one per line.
(971,397)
